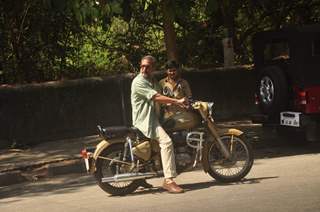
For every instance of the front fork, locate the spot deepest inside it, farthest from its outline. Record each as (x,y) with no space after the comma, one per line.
(226,153)
(209,121)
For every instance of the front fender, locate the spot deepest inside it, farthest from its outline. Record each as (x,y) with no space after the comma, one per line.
(205,150)
(231,131)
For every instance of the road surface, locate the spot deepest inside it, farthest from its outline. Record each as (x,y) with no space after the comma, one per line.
(288,183)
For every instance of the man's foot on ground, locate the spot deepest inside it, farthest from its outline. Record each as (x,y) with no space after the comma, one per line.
(172,187)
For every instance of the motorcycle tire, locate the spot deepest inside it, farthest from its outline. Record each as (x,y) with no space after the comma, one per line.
(224,170)
(105,168)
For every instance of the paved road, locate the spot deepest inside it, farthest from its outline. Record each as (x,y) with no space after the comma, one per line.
(289,183)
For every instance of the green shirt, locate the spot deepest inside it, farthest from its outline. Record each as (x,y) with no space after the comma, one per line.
(144,111)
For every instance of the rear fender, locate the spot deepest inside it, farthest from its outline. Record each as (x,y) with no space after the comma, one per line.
(105,144)
(100,147)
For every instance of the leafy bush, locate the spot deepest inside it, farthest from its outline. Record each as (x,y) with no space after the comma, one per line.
(45,40)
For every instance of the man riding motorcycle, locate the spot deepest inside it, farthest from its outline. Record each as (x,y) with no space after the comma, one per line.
(145,94)
(124,158)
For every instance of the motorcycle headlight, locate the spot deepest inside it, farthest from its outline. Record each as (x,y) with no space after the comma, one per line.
(210,108)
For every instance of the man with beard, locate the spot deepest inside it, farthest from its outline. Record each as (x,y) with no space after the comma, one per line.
(145,97)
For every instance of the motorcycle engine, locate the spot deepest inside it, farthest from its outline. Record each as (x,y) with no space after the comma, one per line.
(183,153)
(183,159)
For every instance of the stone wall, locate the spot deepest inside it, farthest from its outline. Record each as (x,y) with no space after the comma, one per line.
(30,114)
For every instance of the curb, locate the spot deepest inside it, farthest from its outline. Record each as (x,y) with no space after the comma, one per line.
(29,173)
(68,167)
(9,178)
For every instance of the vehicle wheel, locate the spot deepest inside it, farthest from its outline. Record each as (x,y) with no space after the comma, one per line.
(237,167)
(107,168)
(272,90)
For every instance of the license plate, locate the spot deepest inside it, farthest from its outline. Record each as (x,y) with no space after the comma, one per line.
(291,119)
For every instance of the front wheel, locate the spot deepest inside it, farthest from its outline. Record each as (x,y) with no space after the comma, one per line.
(234,169)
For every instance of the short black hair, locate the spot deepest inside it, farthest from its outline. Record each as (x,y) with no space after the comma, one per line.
(172,64)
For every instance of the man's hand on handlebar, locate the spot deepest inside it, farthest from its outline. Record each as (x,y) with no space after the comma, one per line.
(183,102)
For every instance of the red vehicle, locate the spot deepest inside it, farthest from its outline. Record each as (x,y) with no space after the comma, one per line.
(287,68)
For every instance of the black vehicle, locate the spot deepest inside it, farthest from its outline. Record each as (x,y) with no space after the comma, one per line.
(287,68)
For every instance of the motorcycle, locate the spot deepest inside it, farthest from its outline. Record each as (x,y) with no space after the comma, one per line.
(125,157)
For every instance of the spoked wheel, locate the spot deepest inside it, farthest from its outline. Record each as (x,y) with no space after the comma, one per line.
(234,169)
(108,168)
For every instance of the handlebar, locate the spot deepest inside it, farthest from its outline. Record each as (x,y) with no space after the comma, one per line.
(192,101)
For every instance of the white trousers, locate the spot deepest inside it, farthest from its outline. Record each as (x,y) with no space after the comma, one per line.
(167,153)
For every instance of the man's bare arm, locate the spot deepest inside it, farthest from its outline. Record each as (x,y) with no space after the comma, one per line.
(167,100)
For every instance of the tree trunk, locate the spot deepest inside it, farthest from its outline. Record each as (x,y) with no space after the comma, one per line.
(169,32)
(228,18)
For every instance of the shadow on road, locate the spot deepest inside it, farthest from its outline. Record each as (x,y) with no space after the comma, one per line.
(63,185)
(247,181)
(70,185)
(203,185)
(267,143)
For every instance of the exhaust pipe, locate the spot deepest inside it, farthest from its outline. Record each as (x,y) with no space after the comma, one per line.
(128,177)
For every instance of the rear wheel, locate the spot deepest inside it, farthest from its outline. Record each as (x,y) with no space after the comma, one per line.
(234,169)
(106,168)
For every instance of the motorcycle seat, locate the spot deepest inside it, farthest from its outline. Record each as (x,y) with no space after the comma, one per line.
(119,131)
(138,133)
(112,132)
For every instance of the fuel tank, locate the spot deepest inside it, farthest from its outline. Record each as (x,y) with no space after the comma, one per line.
(181,120)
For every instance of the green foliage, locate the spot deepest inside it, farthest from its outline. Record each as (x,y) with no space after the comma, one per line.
(56,39)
